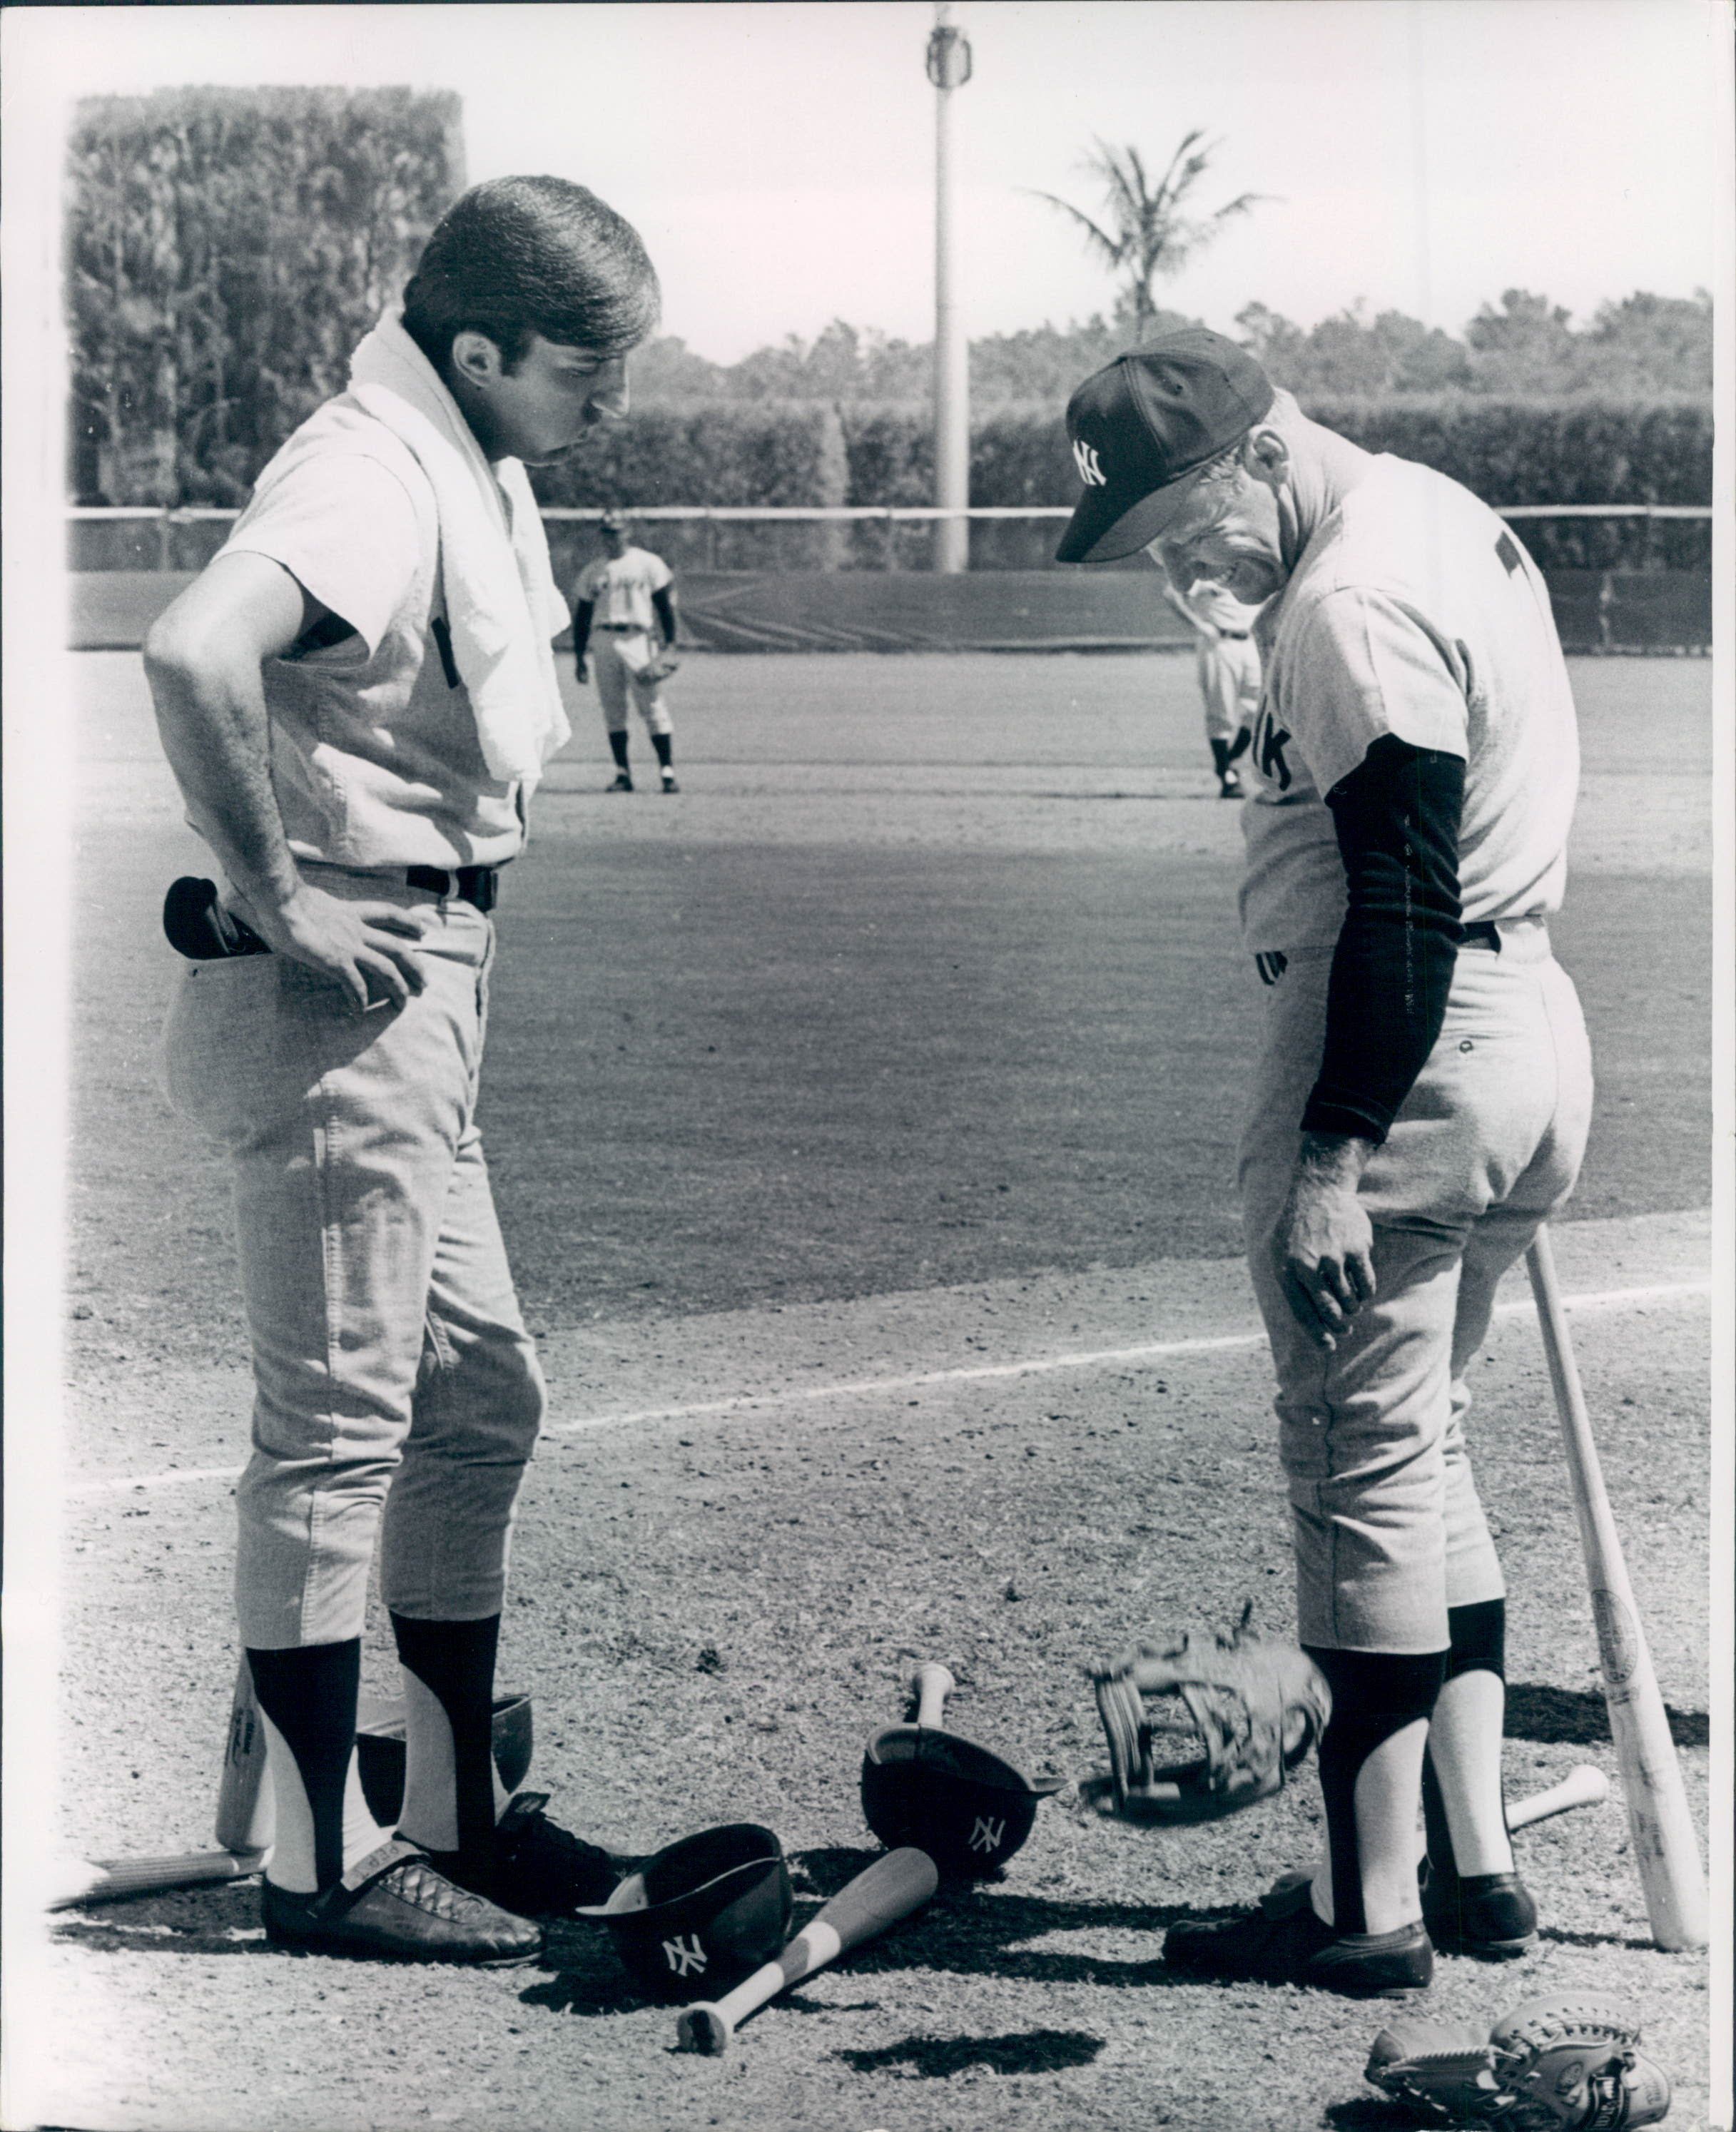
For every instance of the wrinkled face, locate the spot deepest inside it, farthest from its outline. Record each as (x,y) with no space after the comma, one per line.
(544,406)
(1227,532)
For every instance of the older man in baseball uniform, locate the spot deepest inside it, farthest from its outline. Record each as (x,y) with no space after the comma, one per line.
(1420,1105)
(357,697)
(615,603)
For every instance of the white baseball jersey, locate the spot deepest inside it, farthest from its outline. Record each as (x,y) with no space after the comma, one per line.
(1413,611)
(620,588)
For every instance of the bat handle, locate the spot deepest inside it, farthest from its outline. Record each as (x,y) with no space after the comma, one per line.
(932,1684)
(1583,1786)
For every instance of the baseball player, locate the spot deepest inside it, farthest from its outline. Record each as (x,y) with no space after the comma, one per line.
(1421,1102)
(1229,669)
(357,698)
(614,601)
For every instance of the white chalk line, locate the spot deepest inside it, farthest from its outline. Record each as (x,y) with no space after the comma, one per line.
(1606,1298)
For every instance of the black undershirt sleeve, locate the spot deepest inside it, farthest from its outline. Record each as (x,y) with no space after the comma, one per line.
(664,603)
(581,627)
(1397,817)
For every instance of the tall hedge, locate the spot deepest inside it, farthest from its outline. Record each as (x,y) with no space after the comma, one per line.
(225,250)
(1581,450)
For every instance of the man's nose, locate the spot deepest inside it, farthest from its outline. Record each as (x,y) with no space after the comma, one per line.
(610,397)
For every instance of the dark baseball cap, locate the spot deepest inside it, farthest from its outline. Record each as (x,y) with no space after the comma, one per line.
(1142,423)
(612,521)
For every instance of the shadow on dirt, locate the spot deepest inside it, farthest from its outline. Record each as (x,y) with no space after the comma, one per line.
(938,2058)
(1576,1717)
(1369,2113)
(222,1920)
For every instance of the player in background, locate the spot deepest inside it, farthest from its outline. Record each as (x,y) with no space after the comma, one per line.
(357,697)
(1228,664)
(614,601)
(1420,1105)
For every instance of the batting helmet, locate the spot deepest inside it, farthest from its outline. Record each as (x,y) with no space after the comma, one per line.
(967,1808)
(703,1914)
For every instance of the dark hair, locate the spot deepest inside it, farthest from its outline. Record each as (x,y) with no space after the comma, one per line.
(523,256)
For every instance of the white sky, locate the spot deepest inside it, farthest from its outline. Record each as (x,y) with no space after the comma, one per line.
(778,158)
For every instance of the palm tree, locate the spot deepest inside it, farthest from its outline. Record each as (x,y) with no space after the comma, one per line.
(1149,234)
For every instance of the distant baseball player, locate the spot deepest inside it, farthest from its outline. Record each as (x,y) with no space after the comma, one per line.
(615,599)
(357,697)
(1229,669)
(1421,1102)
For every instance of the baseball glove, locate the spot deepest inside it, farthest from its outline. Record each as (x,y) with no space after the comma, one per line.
(659,665)
(1566,2064)
(1204,1725)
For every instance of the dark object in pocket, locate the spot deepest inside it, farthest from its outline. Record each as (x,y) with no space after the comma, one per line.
(197,926)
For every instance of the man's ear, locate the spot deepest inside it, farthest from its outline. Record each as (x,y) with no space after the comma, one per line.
(1266,456)
(476,358)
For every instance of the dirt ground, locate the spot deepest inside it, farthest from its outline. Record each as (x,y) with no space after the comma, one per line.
(822,1447)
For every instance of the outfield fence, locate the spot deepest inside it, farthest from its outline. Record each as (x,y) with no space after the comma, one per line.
(861,577)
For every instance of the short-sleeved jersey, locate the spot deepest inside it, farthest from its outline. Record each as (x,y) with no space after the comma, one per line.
(375,757)
(620,588)
(1412,610)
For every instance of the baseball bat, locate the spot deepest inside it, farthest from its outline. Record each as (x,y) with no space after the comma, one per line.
(246,1822)
(932,1684)
(889,1889)
(1583,1786)
(1658,1821)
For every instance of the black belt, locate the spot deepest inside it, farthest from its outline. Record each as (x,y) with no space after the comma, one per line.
(1237,635)
(1483,934)
(477,884)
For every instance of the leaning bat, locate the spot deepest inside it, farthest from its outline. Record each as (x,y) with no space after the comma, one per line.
(1583,1786)
(889,1889)
(1663,1836)
(246,1823)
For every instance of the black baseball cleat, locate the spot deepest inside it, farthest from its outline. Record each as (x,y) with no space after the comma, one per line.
(541,1870)
(394,1906)
(622,783)
(1230,785)
(668,781)
(1490,1914)
(1284,1942)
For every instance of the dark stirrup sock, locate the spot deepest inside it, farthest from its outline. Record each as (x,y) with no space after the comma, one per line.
(310,1695)
(454,1660)
(1375,1694)
(1221,756)
(618,749)
(664,743)
(1479,1636)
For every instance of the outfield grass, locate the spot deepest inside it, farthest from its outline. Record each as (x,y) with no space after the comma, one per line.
(930,974)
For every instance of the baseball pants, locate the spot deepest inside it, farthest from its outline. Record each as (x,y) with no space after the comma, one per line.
(397,1395)
(619,657)
(1387,1527)
(1229,669)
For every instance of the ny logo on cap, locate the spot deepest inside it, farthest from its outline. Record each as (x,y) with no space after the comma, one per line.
(987,1834)
(1091,466)
(682,1959)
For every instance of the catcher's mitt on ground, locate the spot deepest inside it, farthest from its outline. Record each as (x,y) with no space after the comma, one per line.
(1564,2064)
(659,665)
(1254,1708)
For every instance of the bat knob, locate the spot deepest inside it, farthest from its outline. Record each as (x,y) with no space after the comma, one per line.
(702,2027)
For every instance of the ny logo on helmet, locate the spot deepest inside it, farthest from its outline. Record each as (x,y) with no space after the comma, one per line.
(987,1834)
(684,1960)
(1091,466)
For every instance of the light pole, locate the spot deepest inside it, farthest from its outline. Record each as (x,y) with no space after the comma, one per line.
(949,68)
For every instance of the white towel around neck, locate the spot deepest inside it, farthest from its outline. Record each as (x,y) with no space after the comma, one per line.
(502,604)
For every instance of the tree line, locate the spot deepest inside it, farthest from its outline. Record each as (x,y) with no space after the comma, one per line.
(225,250)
